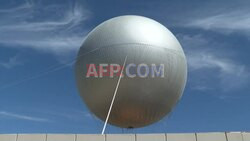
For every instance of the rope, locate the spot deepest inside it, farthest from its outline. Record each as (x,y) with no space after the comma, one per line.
(112,102)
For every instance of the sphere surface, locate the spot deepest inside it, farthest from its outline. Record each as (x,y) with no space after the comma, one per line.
(140,101)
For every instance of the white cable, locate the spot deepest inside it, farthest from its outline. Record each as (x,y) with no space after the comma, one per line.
(112,102)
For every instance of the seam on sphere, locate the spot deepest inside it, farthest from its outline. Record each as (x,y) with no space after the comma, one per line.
(140,44)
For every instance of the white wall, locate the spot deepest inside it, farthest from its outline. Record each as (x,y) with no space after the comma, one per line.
(234,136)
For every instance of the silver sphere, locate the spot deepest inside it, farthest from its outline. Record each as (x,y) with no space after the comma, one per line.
(140,101)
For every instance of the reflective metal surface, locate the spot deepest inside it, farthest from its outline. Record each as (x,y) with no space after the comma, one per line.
(139,101)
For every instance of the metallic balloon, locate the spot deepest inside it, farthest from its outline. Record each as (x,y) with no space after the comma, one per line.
(140,100)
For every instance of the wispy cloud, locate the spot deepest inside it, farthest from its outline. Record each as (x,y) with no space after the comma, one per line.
(204,60)
(12,62)
(232,74)
(68,114)
(23,6)
(22,117)
(200,60)
(55,29)
(226,21)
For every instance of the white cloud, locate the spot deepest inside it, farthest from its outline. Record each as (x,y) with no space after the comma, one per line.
(22,117)
(26,5)
(226,21)
(58,31)
(12,62)
(232,74)
(202,58)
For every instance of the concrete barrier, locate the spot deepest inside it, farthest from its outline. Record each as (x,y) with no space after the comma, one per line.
(181,137)
(151,137)
(237,136)
(211,137)
(246,136)
(222,136)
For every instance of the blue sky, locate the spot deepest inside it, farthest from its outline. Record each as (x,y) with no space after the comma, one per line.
(40,38)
